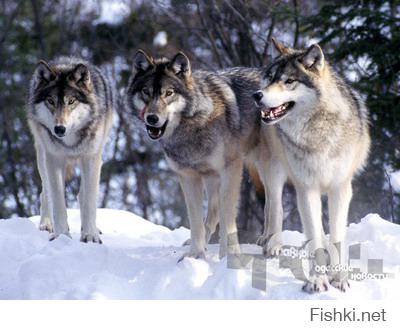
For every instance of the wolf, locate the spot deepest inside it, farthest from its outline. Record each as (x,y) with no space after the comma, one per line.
(317,130)
(69,113)
(206,123)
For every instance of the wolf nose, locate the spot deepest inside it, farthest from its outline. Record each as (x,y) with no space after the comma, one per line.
(60,130)
(152,119)
(258,96)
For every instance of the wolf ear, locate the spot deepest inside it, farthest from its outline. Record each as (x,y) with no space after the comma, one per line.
(81,76)
(43,74)
(141,61)
(277,48)
(314,58)
(180,65)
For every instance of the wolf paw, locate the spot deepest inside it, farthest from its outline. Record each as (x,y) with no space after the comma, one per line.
(53,235)
(100,232)
(46,224)
(342,285)
(317,283)
(270,249)
(86,238)
(46,227)
(195,255)
(262,240)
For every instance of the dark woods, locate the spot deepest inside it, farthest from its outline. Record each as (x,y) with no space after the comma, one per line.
(362,38)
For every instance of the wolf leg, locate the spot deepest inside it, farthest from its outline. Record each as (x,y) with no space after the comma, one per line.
(339,198)
(212,187)
(56,189)
(81,201)
(45,207)
(212,218)
(90,179)
(192,187)
(274,179)
(228,200)
(309,205)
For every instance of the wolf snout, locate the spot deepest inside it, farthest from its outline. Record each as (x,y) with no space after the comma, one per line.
(60,130)
(258,96)
(152,119)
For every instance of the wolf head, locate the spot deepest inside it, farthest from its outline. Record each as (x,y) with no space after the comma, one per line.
(60,95)
(159,92)
(291,82)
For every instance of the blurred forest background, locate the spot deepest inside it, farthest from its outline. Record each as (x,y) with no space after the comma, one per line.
(361,39)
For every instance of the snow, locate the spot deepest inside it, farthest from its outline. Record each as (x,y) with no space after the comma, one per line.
(112,11)
(395,181)
(160,39)
(138,260)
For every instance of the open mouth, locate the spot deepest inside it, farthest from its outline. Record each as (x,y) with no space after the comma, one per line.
(270,115)
(156,132)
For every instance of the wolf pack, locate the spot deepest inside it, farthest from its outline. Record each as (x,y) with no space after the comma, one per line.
(294,120)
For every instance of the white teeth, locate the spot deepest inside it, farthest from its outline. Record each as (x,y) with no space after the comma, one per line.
(275,112)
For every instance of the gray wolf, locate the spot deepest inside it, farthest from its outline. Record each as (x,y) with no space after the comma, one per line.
(70,114)
(318,138)
(206,122)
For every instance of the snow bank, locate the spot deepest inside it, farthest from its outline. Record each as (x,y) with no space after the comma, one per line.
(138,260)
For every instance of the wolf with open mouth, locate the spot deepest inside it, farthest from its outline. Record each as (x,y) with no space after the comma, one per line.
(318,138)
(206,123)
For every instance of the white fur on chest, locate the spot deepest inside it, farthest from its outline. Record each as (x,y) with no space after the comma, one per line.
(69,146)
(320,169)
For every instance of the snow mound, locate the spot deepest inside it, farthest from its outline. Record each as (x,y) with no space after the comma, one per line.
(138,260)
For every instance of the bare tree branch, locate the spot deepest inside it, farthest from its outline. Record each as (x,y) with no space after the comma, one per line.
(210,37)
(296,24)
(38,27)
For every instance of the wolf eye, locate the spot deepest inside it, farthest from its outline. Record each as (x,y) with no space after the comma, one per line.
(268,75)
(145,91)
(71,101)
(50,101)
(289,81)
(169,92)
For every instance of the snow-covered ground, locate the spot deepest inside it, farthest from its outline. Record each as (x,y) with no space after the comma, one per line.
(138,260)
